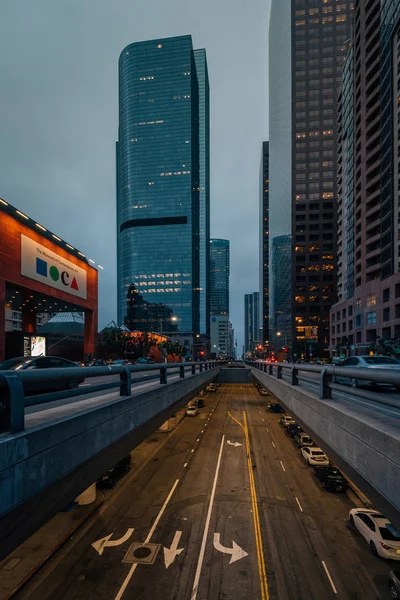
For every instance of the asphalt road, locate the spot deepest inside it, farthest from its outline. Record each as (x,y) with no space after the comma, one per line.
(229,475)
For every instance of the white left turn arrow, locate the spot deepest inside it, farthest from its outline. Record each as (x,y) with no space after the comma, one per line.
(105,541)
(233,443)
(171,553)
(236,551)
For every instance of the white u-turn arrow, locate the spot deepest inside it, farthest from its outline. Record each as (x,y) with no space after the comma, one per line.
(236,551)
(105,541)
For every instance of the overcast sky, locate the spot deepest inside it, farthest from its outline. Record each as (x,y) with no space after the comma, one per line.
(59,119)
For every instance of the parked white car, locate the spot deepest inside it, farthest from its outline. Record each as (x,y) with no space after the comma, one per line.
(383,538)
(191,411)
(315,456)
(286,420)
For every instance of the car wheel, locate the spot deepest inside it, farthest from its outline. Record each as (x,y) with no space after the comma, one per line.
(373,549)
(351,520)
(72,385)
(392,591)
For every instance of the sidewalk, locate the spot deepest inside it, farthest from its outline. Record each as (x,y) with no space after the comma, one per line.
(22,564)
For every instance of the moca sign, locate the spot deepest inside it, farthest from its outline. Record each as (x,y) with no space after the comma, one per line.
(41,264)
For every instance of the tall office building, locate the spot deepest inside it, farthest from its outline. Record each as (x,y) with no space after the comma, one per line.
(219,279)
(368,181)
(252,330)
(307,44)
(219,261)
(162,173)
(264,244)
(281,297)
(204,192)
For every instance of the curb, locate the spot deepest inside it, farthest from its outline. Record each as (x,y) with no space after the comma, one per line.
(56,547)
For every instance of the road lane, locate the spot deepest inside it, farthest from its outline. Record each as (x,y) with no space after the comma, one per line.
(307,544)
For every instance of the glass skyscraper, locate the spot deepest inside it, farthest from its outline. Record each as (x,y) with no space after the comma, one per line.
(204,192)
(264,243)
(219,258)
(252,331)
(162,218)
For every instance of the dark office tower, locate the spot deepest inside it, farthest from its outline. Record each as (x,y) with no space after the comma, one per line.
(158,182)
(281,298)
(204,192)
(307,45)
(251,321)
(368,183)
(219,259)
(264,244)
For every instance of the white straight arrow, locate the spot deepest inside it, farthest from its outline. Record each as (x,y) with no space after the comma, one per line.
(105,541)
(236,551)
(233,443)
(171,553)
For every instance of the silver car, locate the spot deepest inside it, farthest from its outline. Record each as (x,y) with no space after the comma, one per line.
(367,362)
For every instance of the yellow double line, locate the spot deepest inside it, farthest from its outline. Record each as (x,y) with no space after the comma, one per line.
(257,527)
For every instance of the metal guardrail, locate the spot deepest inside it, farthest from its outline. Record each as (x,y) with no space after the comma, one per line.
(328,374)
(14,385)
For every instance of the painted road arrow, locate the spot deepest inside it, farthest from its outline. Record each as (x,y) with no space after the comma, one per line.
(233,443)
(236,551)
(171,553)
(105,541)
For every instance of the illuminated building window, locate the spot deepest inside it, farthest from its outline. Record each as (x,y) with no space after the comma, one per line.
(371,300)
(300,299)
(327,267)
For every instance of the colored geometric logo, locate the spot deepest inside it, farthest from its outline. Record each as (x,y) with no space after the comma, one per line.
(41,267)
(54,273)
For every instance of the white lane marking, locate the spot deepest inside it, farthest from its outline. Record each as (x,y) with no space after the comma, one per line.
(171,553)
(207,525)
(104,542)
(283,466)
(236,551)
(146,541)
(267,429)
(298,502)
(185,465)
(273,444)
(202,431)
(329,577)
(192,450)
(263,420)
(198,439)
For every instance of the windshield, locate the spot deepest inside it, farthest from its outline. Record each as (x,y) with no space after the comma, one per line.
(306,438)
(381,360)
(390,534)
(317,453)
(12,363)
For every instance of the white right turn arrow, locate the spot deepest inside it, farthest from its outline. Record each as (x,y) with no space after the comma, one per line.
(236,444)
(236,551)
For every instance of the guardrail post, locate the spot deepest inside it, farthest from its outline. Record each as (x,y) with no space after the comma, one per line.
(181,371)
(205,366)
(126,383)
(265,367)
(193,369)
(279,372)
(12,406)
(201,367)
(325,391)
(270,370)
(163,375)
(295,379)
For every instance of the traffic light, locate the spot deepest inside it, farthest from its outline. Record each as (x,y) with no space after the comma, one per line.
(201,352)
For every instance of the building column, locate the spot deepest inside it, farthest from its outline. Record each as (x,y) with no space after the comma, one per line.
(28,321)
(2,319)
(90,332)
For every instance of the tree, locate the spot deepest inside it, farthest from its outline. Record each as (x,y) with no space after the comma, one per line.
(386,347)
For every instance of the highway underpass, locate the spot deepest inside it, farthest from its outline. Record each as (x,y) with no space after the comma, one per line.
(227,509)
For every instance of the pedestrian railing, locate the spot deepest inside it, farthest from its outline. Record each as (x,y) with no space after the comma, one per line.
(16,386)
(327,378)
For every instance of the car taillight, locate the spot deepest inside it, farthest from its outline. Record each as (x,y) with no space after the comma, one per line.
(386,547)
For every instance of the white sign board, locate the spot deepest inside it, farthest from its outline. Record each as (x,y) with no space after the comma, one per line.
(41,264)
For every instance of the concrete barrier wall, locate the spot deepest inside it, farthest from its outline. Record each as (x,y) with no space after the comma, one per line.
(44,468)
(364,448)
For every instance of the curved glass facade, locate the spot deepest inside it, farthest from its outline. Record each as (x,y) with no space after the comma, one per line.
(158,183)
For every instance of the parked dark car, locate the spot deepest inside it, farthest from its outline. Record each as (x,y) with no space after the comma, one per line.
(294,429)
(331,479)
(98,362)
(111,476)
(275,408)
(145,360)
(394,584)
(24,363)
